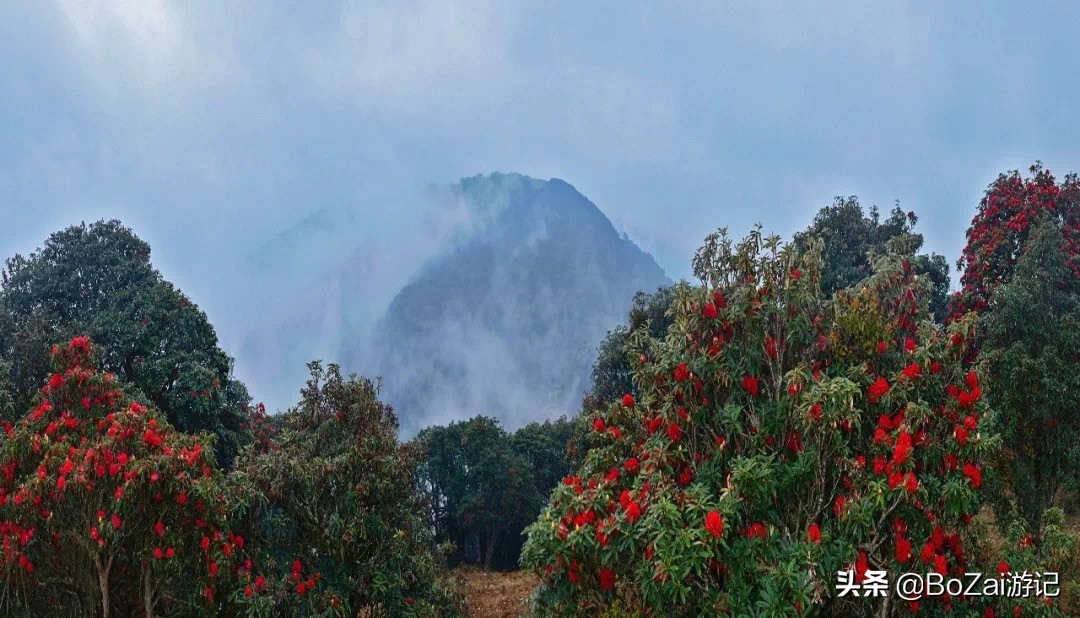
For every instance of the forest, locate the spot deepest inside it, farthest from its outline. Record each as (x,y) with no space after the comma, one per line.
(808,405)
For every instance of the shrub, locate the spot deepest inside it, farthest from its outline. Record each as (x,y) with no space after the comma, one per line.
(328,500)
(777,436)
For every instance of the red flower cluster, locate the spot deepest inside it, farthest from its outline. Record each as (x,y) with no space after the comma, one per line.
(878,389)
(714,524)
(1003,222)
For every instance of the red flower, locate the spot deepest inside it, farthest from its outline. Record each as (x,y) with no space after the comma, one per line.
(631,465)
(879,466)
(796,274)
(682,373)
(633,512)
(882,347)
(911,483)
(973,474)
(940,565)
(56,381)
(159,529)
(961,434)
(903,550)
(814,533)
(158,553)
(607,579)
(935,367)
(714,523)
(909,344)
(927,554)
(248,592)
(115,521)
(757,529)
(750,385)
(710,312)
(878,389)
(838,505)
(260,581)
(598,425)
(862,565)
(903,448)
(674,432)
(628,400)
(912,371)
(815,412)
(770,347)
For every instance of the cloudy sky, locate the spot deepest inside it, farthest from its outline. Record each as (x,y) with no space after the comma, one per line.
(210,126)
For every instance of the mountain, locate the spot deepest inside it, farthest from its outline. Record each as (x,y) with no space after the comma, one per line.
(506,318)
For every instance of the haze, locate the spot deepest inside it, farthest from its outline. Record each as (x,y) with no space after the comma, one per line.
(211,133)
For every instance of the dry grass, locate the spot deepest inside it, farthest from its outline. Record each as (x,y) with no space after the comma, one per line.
(494,594)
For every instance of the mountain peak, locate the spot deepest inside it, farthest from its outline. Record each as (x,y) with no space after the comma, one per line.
(506,320)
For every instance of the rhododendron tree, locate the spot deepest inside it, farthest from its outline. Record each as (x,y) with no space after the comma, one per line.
(104,507)
(98,280)
(795,446)
(1010,208)
(329,507)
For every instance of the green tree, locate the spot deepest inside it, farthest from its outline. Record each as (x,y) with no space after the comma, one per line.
(1031,352)
(98,280)
(849,236)
(612,372)
(481,490)
(327,499)
(544,447)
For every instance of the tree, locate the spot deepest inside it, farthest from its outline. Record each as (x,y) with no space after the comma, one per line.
(104,507)
(480,488)
(777,436)
(98,280)
(329,505)
(1010,208)
(612,371)
(849,237)
(544,447)
(1031,351)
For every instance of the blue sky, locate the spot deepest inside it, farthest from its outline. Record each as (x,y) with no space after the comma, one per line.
(209,126)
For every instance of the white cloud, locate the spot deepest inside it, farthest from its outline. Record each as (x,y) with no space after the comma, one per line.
(145,36)
(415,56)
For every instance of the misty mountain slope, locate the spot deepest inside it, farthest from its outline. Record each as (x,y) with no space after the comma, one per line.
(342,302)
(506,320)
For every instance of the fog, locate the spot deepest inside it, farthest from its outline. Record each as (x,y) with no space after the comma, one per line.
(215,139)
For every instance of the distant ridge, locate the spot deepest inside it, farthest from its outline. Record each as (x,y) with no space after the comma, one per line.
(505,320)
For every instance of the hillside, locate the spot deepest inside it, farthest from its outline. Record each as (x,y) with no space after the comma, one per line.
(505,320)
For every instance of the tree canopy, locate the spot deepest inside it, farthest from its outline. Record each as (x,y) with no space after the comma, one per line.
(1031,352)
(97,280)
(849,236)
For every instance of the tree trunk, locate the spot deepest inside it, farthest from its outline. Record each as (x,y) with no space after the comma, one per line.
(490,549)
(103,583)
(148,595)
